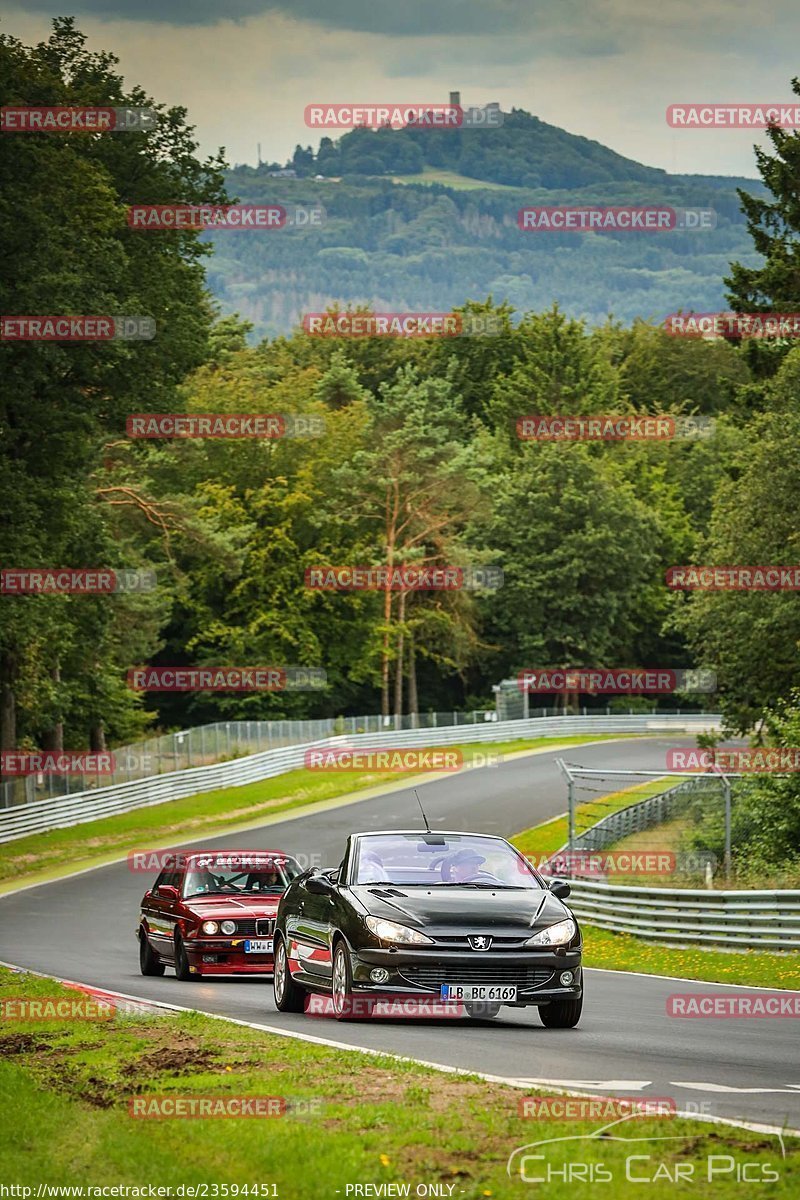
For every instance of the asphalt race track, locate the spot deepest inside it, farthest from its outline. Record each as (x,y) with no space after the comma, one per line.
(745,1069)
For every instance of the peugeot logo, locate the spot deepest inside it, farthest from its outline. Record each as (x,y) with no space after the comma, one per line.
(480,943)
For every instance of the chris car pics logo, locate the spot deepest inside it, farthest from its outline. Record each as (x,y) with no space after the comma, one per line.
(650,1158)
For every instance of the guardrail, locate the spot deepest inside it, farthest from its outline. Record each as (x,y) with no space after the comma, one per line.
(86,806)
(764,920)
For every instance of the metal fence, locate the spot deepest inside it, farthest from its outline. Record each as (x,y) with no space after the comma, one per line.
(655,810)
(222,740)
(766,920)
(206,744)
(58,813)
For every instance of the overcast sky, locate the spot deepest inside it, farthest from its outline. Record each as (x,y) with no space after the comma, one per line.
(606,69)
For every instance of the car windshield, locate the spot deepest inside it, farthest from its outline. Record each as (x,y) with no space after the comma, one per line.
(239,876)
(441,860)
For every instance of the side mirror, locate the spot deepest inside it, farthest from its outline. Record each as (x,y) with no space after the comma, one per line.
(559,888)
(319,885)
(168,892)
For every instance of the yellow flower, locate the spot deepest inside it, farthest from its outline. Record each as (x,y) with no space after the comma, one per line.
(385,1160)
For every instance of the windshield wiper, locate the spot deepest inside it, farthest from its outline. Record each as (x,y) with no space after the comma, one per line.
(494,887)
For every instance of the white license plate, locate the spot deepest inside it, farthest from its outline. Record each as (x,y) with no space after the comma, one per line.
(258,946)
(478,991)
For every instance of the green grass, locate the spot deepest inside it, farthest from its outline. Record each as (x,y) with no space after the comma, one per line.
(60,852)
(753,968)
(351,1120)
(624,952)
(452,179)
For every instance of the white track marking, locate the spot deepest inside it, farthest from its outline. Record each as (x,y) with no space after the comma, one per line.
(445,1068)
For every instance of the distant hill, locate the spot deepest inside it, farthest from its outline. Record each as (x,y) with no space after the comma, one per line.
(522,152)
(419,243)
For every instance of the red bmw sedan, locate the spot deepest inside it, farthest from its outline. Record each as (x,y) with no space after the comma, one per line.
(213,913)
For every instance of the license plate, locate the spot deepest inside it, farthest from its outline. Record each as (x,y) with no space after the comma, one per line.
(478,991)
(258,946)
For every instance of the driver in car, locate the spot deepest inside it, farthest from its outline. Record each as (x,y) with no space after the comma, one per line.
(462,867)
(262,881)
(200,881)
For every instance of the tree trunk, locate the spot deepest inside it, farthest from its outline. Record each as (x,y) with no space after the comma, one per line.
(97,737)
(53,738)
(387,619)
(8,702)
(413,699)
(400,663)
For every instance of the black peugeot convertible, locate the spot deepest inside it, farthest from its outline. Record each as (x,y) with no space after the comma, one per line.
(461,917)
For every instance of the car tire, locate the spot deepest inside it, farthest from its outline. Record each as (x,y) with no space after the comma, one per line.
(482,1010)
(288,996)
(182,970)
(342,982)
(149,962)
(561,1014)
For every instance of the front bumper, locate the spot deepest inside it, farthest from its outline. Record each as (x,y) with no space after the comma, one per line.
(225,956)
(536,974)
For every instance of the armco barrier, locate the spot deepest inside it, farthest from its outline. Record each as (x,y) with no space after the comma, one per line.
(764,920)
(66,811)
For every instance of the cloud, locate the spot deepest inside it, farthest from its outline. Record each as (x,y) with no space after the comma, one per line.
(412,18)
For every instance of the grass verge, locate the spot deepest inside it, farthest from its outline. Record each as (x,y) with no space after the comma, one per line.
(350,1120)
(624,952)
(59,852)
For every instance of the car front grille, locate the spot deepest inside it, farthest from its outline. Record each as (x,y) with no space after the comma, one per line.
(433,975)
(260,927)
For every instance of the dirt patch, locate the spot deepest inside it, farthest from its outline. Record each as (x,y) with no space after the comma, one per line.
(178,1061)
(22,1043)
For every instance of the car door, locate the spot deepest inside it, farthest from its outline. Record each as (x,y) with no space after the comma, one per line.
(311,932)
(162,914)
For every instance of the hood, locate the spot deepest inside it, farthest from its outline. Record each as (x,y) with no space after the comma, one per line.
(216,908)
(450,908)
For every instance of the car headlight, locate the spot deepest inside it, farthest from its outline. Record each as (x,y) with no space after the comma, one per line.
(554,935)
(228,927)
(210,927)
(390,931)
